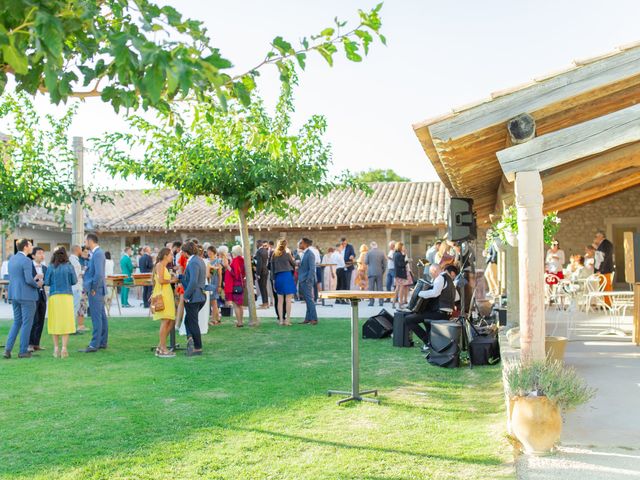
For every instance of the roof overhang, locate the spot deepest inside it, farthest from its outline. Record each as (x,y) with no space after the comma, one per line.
(463,146)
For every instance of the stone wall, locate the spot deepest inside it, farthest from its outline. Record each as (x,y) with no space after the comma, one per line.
(580,224)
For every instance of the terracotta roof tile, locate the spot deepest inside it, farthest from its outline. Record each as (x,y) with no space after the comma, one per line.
(392,203)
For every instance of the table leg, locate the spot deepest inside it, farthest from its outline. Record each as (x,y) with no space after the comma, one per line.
(355,393)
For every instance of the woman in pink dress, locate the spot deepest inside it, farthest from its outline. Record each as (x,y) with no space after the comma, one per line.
(234,282)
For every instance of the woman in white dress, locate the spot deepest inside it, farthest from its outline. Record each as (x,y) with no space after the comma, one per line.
(330,279)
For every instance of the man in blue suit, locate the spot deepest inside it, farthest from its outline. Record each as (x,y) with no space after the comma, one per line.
(307,279)
(146,266)
(23,293)
(94,285)
(193,281)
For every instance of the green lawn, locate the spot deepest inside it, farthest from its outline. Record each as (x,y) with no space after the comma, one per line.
(254,406)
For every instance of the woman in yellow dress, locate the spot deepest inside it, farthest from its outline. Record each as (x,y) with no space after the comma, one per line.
(162,281)
(60,277)
(362,279)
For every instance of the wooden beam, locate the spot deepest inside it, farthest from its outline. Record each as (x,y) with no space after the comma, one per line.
(538,95)
(593,190)
(557,180)
(572,143)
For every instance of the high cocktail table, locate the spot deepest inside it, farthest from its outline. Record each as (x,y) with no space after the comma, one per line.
(354,297)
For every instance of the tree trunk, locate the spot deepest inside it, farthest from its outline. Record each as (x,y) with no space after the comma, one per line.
(246,252)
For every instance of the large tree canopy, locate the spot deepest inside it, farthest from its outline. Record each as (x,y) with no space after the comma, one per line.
(36,162)
(243,159)
(135,53)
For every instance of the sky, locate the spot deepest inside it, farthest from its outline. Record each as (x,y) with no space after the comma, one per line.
(439,55)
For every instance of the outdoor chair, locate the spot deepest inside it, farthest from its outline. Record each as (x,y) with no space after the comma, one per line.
(595,284)
(554,292)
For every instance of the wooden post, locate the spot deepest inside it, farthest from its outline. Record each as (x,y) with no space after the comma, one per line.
(531,264)
(77,217)
(636,314)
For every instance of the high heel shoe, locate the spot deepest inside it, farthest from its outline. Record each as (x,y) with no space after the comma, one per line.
(64,353)
(56,353)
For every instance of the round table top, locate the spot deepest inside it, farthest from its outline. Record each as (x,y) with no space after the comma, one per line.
(355,294)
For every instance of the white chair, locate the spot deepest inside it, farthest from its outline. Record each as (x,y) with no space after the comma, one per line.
(554,292)
(595,284)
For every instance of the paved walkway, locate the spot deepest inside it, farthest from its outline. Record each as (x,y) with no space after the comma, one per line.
(298,310)
(600,440)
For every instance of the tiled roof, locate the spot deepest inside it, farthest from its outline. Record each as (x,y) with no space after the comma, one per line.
(392,203)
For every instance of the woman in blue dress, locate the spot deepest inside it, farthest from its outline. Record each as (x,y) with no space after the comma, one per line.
(282,267)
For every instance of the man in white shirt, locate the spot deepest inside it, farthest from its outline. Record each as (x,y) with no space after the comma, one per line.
(39,271)
(443,295)
(4,270)
(338,259)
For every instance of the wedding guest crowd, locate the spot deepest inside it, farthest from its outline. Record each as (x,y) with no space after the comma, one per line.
(185,278)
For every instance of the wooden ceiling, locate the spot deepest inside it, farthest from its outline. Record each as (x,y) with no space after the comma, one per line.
(465,159)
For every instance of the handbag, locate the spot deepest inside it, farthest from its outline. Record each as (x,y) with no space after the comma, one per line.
(237,290)
(157,303)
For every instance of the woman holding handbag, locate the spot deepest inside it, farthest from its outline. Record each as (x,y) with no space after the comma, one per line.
(162,300)
(234,283)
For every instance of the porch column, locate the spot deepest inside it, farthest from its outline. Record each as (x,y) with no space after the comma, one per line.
(528,190)
(512,280)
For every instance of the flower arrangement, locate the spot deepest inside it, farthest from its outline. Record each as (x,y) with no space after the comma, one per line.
(508,225)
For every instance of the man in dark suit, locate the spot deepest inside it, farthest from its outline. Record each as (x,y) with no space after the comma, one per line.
(145,264)
(193,281)
(261,259)
(376,261)
(307,279)
(349,259)
(39,270)
(94,285)
(23,293)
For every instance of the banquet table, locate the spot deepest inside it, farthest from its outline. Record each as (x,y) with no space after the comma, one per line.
(354,297)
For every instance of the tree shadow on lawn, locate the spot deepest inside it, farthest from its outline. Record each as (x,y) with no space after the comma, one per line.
(124,400)
(472,459)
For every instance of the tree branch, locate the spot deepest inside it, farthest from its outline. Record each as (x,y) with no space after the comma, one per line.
(272,60)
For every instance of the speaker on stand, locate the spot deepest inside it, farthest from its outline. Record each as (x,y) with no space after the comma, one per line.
(462,220)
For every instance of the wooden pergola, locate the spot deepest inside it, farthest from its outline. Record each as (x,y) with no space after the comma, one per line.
(584,115)
(581,143)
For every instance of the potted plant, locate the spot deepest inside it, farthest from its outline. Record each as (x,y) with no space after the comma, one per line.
(538,392)
(507,228)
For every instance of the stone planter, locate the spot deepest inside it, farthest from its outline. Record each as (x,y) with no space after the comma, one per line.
(536,423)
(554,347)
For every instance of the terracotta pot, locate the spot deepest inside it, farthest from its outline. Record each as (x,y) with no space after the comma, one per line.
(536,423)
(554,347)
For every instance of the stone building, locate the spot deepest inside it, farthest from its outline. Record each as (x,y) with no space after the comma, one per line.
(415,212)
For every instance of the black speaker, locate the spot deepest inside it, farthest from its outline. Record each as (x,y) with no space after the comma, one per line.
(401,334)
(445,338)
(378,326)
(462,220)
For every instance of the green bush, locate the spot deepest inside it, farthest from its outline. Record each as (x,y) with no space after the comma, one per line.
(552,379)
